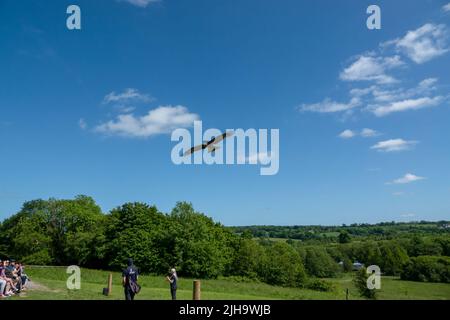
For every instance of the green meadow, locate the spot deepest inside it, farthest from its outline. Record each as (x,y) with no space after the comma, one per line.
(49,283)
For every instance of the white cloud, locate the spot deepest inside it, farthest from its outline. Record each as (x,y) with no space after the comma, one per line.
(329,106)
(428,83)
(347,134)
(370,68)
(140,3)
(398,193)
(365,133)
(368,133)
(82,124)
(404,105)
(382,94)
(127,95)
(446,7)
(424,43)
(394,145)
(407,178)
(376,93)
(161,120)
(358,92)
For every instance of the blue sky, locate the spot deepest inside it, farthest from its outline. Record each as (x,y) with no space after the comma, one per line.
(311,69)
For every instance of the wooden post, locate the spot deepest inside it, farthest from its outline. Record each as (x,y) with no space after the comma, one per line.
(197,290)
(346,294)
(109,284)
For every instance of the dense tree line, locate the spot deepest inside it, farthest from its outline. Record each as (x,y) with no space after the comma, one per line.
(65,232)
(427,269)
(383,230)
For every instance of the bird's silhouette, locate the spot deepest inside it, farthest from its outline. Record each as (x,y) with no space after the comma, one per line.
(211,145)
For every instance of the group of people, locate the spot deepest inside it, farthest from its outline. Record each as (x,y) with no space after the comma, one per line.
(13,279)
(130,277)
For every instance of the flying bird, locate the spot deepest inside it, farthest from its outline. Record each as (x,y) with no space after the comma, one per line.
(211,145)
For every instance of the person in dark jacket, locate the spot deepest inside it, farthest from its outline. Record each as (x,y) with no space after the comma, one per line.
(173,279)
(129,279)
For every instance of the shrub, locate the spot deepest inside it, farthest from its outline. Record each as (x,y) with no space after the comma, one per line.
(320,285)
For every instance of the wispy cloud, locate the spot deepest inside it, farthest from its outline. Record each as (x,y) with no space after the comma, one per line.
(369,133)
(446,7)
(139,3)
(423,44)
(407,178)
(394,145)
(404,105)
(371,68)
(82,124)
(386,92)
(124,108)
(427,84)
(161,120)
(329,106)
(128,95)
(380,94)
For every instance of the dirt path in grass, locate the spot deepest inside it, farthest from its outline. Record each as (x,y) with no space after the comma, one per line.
(36,286)
(32,285)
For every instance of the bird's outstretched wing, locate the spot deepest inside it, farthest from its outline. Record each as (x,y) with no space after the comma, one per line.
(195,149)
(223,136)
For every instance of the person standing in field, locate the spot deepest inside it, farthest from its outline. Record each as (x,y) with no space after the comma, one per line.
(129,280)
(173,278)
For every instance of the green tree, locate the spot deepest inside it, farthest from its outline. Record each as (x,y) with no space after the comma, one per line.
(344,237)
(367,252)
(394,258)
(136,230)
(420,246)
(29,241)
(247,234)
(55,231)
(360,282)
(318,263)
(248,258)
(202,248)
(283,266)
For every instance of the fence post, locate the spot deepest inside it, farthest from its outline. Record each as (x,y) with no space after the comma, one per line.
(197,290)
(109,284)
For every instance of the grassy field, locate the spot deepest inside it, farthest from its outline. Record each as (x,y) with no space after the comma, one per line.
(50,284)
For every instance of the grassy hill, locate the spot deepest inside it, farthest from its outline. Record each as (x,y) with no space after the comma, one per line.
(50,283)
